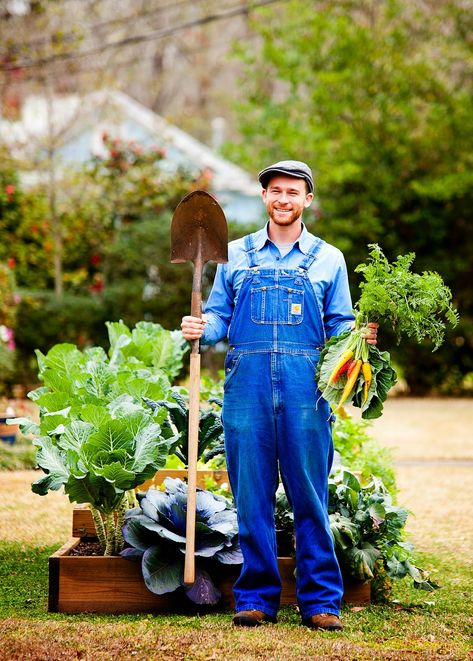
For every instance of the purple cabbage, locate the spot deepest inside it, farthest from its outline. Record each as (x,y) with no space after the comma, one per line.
(156,532)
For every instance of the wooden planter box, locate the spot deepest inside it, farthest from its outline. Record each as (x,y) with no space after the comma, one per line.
(99,584)
(112,584)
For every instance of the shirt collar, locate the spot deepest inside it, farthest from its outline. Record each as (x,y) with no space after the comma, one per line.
(304,241)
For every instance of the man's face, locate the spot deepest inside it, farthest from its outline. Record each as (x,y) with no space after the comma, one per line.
(285,199)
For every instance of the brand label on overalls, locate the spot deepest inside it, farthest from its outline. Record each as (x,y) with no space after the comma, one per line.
(296,308)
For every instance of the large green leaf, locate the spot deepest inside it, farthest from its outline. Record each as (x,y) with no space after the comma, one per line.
(124,405)
(362,559)
(53,424)
(62,363)
(112,435)
(95,414)
(50,458)
(54,401)
(116,330)
(345,532)
(148,447)
(26,425)
(75,435)
(100,380)
(121,478)
(377,514)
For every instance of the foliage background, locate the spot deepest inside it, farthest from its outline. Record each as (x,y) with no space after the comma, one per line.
(377,97)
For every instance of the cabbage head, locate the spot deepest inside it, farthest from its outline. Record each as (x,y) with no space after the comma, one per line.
(156,532)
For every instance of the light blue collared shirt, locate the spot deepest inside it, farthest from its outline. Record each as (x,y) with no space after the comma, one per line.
(327,275)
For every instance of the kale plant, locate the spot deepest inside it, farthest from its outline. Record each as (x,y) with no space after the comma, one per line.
(210,439)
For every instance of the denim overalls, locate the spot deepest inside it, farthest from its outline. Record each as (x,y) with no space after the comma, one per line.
(271,415)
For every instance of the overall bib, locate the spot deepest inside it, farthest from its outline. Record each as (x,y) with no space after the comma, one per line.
(271,419)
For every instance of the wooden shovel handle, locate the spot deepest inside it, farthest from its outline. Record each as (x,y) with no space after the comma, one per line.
(193,430)
(193,440)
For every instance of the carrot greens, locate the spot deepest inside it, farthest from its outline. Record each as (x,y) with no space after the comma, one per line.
(415,305)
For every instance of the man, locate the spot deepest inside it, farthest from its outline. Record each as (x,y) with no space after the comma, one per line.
(282,293)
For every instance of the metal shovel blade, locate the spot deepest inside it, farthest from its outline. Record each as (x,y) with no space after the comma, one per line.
(199,230)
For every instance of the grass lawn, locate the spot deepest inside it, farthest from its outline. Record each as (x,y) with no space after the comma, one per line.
(415,625)
(418,625)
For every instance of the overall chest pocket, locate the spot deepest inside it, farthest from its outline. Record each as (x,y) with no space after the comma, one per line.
(277,304)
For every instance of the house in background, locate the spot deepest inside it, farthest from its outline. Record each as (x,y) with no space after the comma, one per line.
(76,124)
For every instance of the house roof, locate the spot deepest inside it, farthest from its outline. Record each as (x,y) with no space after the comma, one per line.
(78,123)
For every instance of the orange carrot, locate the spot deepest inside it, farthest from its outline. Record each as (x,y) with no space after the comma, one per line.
(350,382)
(344,358)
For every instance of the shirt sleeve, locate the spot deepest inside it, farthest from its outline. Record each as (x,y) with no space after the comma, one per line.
(338,309)
(219,307)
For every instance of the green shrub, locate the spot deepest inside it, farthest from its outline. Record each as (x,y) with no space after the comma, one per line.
(44,320)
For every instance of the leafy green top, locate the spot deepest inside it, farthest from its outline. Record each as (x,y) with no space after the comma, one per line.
(416,305)
(96,437)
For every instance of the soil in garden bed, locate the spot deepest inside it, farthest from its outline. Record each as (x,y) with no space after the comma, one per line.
(87,547)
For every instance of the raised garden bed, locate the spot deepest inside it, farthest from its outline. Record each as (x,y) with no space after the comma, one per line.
(113,584)
(99,584)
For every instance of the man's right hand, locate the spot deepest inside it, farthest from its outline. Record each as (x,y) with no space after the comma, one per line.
(193,327)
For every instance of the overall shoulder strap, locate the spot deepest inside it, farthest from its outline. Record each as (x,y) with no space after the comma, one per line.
(250,250)
(312,254)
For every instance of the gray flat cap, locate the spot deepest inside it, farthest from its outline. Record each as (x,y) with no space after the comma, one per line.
(296,169)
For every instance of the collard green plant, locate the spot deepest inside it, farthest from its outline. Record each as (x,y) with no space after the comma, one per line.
(155,532)
(96,437)
(368,528)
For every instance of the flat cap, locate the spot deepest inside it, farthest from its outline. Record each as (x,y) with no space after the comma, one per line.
(296,169)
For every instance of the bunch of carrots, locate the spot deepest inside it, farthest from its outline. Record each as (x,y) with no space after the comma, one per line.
(351,370)
(416,305)
(354,361)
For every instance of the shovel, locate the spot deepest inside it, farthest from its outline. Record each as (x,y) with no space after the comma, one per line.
(199,235)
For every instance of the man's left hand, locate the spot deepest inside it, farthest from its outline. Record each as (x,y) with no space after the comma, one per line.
(370,332)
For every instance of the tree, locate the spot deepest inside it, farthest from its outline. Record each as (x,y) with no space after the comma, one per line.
(379,100)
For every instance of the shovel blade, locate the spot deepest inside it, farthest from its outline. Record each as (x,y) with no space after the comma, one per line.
(199,230)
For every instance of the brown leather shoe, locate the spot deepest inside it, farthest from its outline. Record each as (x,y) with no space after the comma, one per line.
(323,621)
(252,618)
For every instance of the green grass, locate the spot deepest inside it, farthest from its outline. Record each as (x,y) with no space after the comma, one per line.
(416,625)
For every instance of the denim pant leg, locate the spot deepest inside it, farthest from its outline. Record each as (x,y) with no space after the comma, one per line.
(252,466)
(305,453)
